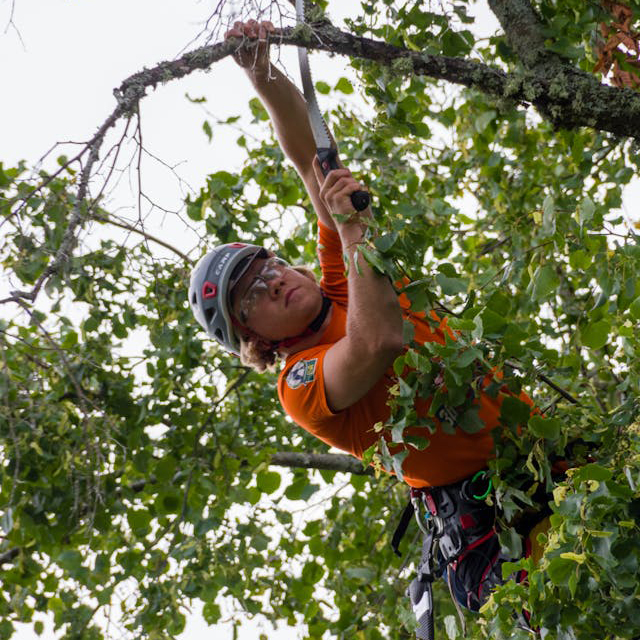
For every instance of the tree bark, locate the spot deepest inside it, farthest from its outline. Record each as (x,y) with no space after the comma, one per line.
(523,29)
(325,461)
(561,92)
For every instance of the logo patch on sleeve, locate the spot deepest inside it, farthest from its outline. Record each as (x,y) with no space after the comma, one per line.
(302,372)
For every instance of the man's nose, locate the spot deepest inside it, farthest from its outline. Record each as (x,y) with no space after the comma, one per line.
(274,286)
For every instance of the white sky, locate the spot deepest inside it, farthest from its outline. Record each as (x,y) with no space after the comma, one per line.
(57,86)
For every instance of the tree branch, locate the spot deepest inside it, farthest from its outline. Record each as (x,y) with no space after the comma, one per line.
(523,29)
(566,95)
(144,234)
(324,461)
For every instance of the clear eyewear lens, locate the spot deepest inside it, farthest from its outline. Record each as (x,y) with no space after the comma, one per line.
(273,268)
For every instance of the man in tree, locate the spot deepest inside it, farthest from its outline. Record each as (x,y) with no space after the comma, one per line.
(338,338)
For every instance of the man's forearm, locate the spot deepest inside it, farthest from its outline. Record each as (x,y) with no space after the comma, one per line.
(374,313)
(288,111)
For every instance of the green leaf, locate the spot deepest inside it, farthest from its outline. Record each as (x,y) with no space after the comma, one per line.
(593,471)
(596,334)
(579,259)
(541,427)
(70,560)
(397,460)
(548,216)
(165,468)
(492,322)
(483,120)
(451,286)
(560,570)
(139,520)
(634,309)
(206,127)
(344,86)
(499,303)
(322,87)
(211,612)
(586,210)
(362,574)
(467,356)
(312,572)
(301,489)
(386,241)
(268,481)
(470,422)
(514,412)
(545,282)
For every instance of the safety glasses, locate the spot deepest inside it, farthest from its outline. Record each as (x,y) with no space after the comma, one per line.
(272,269)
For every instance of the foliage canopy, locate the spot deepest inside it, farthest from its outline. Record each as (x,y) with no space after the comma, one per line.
(158,470)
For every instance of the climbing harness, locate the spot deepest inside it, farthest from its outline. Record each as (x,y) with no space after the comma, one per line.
(460,544)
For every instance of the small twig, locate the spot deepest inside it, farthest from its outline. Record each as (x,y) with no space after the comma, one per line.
(144,234)
(565,394)
(139,162)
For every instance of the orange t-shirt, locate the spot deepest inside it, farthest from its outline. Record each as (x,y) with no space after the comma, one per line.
(447,459)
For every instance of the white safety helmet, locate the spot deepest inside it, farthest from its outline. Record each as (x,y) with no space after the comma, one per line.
(209,290)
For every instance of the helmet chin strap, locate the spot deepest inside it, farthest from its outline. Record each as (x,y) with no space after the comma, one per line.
(314,327)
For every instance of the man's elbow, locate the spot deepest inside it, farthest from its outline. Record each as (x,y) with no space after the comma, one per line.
(387,346)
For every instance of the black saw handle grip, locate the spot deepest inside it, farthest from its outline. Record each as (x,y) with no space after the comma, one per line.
(328,161)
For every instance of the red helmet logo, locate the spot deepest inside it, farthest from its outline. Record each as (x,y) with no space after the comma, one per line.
(209,290)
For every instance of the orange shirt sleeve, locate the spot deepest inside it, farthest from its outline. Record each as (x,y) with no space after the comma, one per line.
(302,394)
(334,280)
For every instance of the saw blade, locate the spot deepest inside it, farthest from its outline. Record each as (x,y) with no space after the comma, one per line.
(319,127)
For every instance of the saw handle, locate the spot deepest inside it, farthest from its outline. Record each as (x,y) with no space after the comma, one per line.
(328,159)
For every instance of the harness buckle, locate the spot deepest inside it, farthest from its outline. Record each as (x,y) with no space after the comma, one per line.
(431,523)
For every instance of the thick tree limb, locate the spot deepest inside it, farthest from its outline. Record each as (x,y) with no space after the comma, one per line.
(565,94)
(523,29)
(326,461)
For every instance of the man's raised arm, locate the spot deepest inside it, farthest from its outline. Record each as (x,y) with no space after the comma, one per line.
(285,104)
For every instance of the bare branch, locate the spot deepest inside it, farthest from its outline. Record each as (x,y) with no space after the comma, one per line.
(144,234)
(325,461)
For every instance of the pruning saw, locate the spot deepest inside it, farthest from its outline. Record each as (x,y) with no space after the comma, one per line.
(325,148)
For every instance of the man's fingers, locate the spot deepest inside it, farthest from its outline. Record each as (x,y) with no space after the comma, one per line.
(342,188)
(233,33)
(251,29)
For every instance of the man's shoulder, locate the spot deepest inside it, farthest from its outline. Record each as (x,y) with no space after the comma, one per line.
(301,368)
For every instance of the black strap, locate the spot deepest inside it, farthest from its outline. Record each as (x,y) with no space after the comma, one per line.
(319,319)
(314,327)
(401,529)
(421,592)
